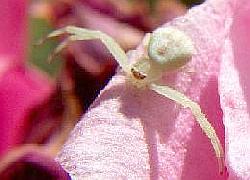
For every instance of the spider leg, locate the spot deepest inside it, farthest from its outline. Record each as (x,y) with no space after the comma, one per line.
(200,117)
(60,47)
(77,34)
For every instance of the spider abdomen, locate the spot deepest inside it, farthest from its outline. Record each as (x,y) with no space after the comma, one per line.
(170,47)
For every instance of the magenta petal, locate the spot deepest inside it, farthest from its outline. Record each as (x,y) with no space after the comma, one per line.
(21,88)
(138,134)
(13,29)
(235,93)
(20,91)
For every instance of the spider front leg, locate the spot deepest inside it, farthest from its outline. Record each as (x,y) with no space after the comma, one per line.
(200,117)
(78,34)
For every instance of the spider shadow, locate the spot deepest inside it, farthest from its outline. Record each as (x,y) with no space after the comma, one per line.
(155,113)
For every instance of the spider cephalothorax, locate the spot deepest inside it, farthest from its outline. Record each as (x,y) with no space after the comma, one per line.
(167,49)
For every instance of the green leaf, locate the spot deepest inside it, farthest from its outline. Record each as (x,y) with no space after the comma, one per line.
(38,55)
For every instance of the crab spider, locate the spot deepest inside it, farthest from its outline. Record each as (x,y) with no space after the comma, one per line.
(167,49)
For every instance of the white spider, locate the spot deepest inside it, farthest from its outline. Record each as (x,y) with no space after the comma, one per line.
(167,49)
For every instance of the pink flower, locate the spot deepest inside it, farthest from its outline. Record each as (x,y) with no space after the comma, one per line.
(136,133)
(21,88)
(234,89)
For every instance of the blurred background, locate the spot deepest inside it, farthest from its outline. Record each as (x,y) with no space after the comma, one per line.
(40,101)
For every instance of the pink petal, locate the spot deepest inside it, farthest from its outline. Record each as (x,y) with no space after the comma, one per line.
(20,88)
(235,93)
(20,91)
(132,133)
(127,36)
(13,28)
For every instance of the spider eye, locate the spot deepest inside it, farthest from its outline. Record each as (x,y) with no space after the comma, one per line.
(169,46)
(138,75)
